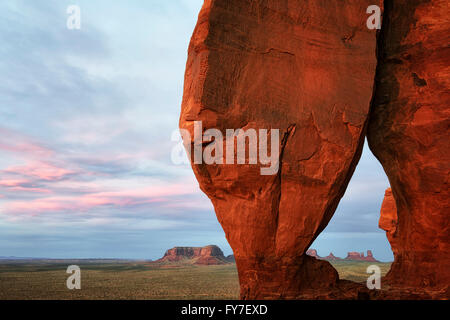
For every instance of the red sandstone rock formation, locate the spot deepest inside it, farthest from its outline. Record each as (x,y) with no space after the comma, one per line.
(388,219)
(356,256)
(209,255)
(409,134)
(331,257)
(179,253)
(312,253)
(306,68)
(353,256)
(370,257)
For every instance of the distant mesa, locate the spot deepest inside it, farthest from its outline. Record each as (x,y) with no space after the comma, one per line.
(213,255)
(351,256)
(356,256)
(332,257)
(209,255)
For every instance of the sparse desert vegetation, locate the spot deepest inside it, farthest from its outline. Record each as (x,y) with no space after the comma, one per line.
(46,279)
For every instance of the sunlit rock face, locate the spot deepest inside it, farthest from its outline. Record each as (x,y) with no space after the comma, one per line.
(209,255)
(388,219)
(409,134)
(307,69)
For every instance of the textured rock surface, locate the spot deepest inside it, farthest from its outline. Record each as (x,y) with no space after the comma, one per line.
(209,255)
(409,134)
(388,218)
(306,68)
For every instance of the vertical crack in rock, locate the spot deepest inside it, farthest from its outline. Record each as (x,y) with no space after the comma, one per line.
(284,141)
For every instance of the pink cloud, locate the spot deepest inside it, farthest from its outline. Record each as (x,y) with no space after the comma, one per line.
(37,161)
(82,203)
(15,142)
(33,190)
(38,205)
(21,185)
(40,170)
(58,181)
(13,182)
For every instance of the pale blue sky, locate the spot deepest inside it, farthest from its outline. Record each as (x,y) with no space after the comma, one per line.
(86,118)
